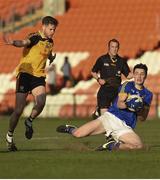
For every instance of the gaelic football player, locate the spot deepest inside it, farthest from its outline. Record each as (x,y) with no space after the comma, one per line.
(121,118)
(30,73)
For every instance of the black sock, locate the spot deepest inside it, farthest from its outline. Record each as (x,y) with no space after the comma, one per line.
(29,121)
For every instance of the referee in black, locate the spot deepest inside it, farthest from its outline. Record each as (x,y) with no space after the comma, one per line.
(107,71)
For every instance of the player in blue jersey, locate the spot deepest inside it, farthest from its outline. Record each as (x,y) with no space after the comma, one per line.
(119,121)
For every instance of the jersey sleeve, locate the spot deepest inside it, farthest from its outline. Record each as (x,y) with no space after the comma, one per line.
(125,88)
(125,69)
(97,66)
(34,39)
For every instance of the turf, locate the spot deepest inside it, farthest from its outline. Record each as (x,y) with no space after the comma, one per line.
(53,155)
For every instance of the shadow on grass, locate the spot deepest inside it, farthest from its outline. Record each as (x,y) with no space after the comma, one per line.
(155,146)
(81,149)
(30,150)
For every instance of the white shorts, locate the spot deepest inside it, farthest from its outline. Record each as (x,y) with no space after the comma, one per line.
(114,126)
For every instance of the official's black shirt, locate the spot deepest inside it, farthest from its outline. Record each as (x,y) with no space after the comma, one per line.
(111,69)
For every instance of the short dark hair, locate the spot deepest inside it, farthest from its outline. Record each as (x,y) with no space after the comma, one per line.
(49,20)
(141,66)
(113,40)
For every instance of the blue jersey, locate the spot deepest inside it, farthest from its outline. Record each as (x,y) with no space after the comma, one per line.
(124,114)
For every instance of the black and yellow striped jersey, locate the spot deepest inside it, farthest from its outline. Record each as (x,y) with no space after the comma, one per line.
(35,55)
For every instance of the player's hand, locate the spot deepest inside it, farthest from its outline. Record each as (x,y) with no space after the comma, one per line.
(7,40)
(54,56)
(51,58)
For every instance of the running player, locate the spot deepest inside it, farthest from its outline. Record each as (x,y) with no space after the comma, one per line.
(30,75)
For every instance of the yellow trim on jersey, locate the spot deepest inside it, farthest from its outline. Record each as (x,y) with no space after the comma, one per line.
(34,58)
(122,94)
(42,34)
(123,87)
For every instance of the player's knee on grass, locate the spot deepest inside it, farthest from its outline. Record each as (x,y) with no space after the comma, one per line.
(131,141)
(138,146)
(133,146)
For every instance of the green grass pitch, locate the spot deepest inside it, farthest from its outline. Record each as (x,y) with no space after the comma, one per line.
(53,155)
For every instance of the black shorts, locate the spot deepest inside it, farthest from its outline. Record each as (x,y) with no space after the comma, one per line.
(27,82)
(106,96)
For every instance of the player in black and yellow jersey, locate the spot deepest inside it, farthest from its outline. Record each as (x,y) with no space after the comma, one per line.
(31,75)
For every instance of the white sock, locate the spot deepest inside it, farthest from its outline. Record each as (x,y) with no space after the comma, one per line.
(9,138)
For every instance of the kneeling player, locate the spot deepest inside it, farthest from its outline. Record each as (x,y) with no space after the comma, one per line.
(120,120)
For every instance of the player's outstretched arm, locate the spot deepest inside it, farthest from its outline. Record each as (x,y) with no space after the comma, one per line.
(16,43)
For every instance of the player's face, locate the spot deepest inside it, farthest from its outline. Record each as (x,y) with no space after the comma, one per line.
(139,76)
(113,48)
(49,30)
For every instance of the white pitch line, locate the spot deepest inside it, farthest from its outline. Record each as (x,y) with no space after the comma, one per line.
(46,138)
